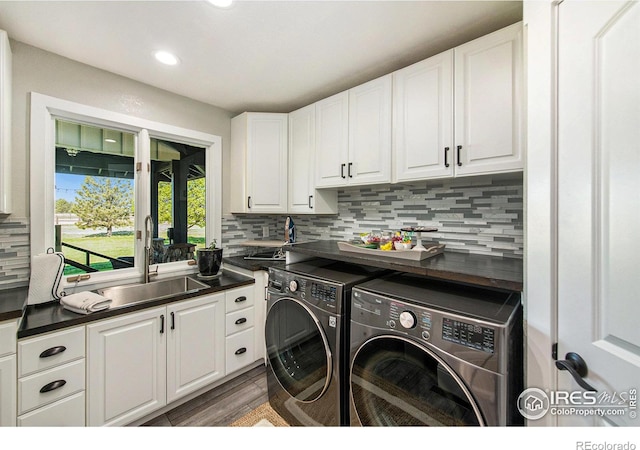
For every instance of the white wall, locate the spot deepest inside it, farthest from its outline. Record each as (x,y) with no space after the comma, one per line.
(35,70)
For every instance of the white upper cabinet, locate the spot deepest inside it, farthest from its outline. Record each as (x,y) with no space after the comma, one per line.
(302,195)
(489,103)
(332,140)
(353,136)
(258,163)
(370,132)
(474,89)
(423,119)
(5,124)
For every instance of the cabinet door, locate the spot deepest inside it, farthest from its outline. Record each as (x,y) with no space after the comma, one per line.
(5,124)
(126,367)
(8,391)
(303,197)
(195,344)
(301,159)
(423,119)
(370,132)
(267,163)
(332,140)
(488,103)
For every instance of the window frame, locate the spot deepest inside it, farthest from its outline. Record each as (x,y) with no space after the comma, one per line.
(44,112)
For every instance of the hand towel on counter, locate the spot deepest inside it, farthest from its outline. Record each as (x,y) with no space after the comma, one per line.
(46,276)
(85,302)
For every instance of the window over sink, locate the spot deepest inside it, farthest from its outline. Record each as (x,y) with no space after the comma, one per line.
(96,175)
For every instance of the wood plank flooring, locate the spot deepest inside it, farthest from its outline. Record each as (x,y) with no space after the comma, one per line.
(220,406)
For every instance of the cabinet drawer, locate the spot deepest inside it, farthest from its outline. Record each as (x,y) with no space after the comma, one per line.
(57,383)
(239,320)
(240,350)
(241,298)
(68,412)
(8,332)
(44,352)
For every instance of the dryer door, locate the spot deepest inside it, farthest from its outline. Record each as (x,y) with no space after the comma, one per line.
(396,382)
(298,350)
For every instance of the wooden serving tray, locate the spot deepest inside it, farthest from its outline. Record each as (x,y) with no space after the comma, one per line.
(432,249)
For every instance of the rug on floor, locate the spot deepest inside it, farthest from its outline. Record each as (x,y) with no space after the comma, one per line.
(262,416)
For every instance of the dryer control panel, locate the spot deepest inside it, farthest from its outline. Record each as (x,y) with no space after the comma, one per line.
(448,331)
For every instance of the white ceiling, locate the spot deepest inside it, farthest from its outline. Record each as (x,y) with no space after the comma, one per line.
(256,55)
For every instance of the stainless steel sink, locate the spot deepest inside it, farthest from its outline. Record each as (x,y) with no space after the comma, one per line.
(140,292)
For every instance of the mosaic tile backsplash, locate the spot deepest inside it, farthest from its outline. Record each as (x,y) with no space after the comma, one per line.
(473,215)
(14,252)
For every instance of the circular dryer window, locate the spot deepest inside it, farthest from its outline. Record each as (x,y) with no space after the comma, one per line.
(298,350)
(395,382)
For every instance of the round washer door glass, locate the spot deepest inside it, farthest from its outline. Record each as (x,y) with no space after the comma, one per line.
(395,382)
(297,349)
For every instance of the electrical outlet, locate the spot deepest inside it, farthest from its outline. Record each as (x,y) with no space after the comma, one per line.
(265,230)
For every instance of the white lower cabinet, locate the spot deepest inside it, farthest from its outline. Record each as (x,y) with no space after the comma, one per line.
(8,370)
(126,359)
(195,344)
(68,412)
(240,330)
(141,362)
(8,391)
(51,379)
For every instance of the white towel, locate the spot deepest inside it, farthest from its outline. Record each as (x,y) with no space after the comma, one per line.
(85,302)
(45,280)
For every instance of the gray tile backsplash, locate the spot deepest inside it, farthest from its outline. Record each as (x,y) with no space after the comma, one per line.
(481,215)
(14,252)
(473,215)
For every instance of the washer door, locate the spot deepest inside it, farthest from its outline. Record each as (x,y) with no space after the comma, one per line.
(298,350)
(396,382)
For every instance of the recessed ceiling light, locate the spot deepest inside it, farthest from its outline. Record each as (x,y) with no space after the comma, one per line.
(221,3)
(166,58)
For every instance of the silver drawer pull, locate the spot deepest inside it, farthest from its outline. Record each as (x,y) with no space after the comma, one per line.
(53,351)
(241,320)
(242,350)
(241,299)
(52,386)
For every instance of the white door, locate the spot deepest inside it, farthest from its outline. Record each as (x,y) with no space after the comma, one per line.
(599,193)
(195,344)
(370,132)
(126,367)
(423,119)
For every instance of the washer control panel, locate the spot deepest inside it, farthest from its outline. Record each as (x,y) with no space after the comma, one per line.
(468,334)
(423,323)
(324,294)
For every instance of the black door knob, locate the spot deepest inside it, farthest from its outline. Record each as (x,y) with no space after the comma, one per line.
(577,367)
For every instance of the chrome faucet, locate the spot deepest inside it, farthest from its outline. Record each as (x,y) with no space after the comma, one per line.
(148,235)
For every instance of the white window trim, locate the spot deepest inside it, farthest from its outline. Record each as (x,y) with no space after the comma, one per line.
(44,111)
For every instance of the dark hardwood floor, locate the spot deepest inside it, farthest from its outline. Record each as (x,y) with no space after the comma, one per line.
(220,406)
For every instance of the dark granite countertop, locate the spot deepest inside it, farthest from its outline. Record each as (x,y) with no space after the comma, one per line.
(12,303)
(252,264)
(52,316)
(479,270)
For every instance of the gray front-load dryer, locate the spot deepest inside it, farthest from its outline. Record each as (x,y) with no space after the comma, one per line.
(429,353)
